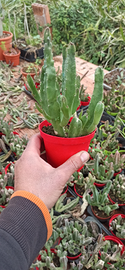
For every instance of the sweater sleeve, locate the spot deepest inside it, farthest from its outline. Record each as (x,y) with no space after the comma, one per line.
(25,225)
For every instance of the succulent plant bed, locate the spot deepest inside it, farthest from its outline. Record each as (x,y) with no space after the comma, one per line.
(77,244)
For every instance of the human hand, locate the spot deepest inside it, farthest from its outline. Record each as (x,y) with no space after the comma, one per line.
(35,175)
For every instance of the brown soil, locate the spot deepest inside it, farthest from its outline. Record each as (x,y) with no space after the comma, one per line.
(115,199)
(4,35)
(12,51)
(80,189)
(111,78)
(49,130)
(100,213)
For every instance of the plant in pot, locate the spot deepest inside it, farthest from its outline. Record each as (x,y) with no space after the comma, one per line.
(82,184)
(117,191)
(117,161)
(100,203)
(31,70)
(51,258)
(117,226)
(5,36)
(58,109)
(110,145)
(100,172)
(84,97)
(75,236)
(109,129)
(5,191)
(12,56)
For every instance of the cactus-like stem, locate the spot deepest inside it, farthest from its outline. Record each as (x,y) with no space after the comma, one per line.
(59,109)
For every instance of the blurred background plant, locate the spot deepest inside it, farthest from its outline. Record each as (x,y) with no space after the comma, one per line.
(97,27)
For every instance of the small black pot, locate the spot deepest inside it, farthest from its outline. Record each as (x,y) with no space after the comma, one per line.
(30,56)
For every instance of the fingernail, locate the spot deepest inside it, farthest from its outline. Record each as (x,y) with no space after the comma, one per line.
(84,156)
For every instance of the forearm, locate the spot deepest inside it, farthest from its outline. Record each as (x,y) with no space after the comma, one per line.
(25,225)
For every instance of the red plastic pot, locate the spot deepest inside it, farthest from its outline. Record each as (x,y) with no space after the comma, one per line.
(115,240)
(76,191)
(73,258)
(59,149)
(115,202)
(110,221)
(99,185)
(7,167)
(84,103)
(117,173)
(65,191)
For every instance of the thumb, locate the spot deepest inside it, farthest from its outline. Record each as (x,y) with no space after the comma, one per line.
(72,165)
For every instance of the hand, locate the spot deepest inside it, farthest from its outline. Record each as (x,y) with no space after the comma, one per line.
(35,175)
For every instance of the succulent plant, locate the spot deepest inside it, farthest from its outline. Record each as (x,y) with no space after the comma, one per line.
(110,257)
(61,207)
(117,160)
(118,187)
(100,172)
(75,236)
(58,109)
(110,129)
(8,178)
(100,199)
(111,144)
(82,95)
(80,180)
(118,226)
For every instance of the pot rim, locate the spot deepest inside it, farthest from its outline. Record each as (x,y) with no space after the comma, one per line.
(111,219)
(64,140)
(122,204)
(101,217)
(6,38)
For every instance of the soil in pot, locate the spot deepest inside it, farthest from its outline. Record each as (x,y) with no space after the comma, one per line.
(100,214)
(115,199)
(79,190)
(55,262)
(31,71)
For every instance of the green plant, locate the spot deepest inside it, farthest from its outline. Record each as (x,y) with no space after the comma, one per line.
(118,187)
(82,95)
(111,144)
(118,226)
(100,172)
(60,207)
(34,41)
(74,236)
(58,109)
(100,199)
(110,257)
(117,160)
(31,68)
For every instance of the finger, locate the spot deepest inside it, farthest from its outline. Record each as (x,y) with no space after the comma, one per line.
(72,165)
(35,144)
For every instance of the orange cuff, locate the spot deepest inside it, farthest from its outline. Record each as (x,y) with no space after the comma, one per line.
(33,198)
